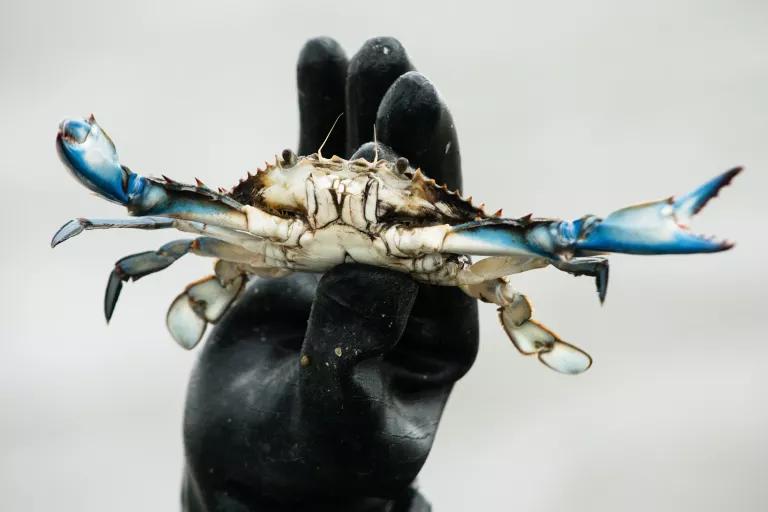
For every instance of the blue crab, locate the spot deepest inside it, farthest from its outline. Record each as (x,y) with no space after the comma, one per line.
(310,213)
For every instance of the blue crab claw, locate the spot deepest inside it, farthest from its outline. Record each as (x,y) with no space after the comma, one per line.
(90,155)
(659,227)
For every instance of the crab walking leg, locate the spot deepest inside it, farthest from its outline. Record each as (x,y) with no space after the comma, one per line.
(495,267)
(76,226)
(136,266)
(246,240)
(459,271)
(204,302)
(529,336)
(595,266)
(200,205)
(200,209)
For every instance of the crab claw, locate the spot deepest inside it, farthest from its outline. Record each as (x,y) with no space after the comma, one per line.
(90,155)
(660,227)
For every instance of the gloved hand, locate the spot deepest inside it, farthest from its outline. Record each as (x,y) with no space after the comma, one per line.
(327,395)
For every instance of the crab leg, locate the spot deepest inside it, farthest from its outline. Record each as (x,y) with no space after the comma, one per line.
(248,241)
(651,228)
(659,227)
(136,266)
(495,267)
(595,266)
(529,336)
(204,302)
(76,226)
(91,157)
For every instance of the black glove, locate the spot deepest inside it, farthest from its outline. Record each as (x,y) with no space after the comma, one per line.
(327,396)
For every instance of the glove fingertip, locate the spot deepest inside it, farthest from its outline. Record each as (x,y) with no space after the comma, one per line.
(415,122)
(367,291)
(320,50)
(371,71)
(361,309)
(320,75)
(379,53)
(408,114)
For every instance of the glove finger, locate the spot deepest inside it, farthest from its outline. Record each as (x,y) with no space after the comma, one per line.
(272,311)
(416,123)
(359,313)
(441,339)
(320,75)
(371,72)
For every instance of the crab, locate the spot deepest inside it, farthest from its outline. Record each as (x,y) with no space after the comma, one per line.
(311,213)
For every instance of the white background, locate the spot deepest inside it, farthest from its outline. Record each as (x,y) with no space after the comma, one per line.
(563,108)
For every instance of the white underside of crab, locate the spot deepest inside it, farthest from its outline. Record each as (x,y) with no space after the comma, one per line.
(312,213)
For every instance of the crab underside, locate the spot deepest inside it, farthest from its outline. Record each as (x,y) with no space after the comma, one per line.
(311,213)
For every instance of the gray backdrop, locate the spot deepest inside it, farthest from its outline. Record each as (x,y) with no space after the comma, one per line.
(563,108)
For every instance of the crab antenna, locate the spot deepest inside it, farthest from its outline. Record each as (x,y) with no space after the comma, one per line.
(375,146)
(320,149)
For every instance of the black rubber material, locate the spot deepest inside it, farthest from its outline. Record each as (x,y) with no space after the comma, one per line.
(325,394)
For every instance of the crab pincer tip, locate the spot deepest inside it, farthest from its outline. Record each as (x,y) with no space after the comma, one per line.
(72,228)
